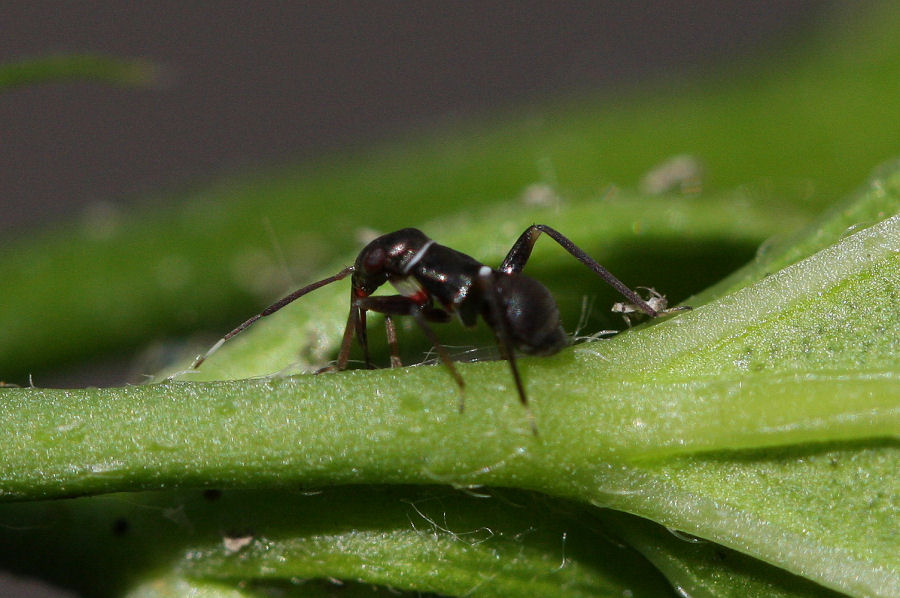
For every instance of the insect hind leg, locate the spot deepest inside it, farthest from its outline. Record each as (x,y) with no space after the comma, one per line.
(518,256)
(504,338)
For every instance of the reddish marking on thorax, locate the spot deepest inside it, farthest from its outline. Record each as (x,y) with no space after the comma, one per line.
(421,297)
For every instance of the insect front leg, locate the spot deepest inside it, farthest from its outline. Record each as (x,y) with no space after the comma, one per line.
(362,337)
(346,341)
(518,256)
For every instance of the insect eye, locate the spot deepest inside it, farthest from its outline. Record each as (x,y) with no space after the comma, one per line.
(374,261)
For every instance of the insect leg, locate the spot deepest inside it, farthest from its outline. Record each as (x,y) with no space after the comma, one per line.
(517,257)
(399,305)
(363,337)
(501,332)
(271,310)
(391,333)
(442,353)
(346,342)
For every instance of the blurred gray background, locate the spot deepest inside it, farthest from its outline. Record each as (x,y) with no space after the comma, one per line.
(264,83)
(267,83)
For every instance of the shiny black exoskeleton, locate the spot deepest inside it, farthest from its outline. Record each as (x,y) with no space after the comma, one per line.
(435,282)
(425,273)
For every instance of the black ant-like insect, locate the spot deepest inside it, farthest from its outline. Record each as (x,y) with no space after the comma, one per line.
(519,309)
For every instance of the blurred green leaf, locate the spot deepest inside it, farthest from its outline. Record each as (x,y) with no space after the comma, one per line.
(801,126)
(393,537)
(77,67)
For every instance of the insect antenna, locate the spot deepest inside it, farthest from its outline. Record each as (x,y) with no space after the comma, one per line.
(271,310)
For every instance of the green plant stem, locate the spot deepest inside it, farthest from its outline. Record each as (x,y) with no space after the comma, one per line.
(639,423)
